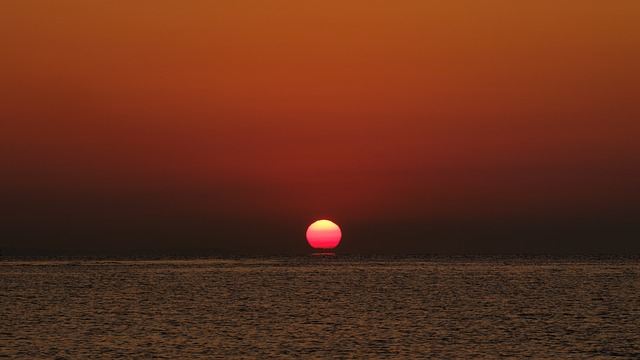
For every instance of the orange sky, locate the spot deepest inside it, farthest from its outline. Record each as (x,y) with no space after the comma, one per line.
(365,112)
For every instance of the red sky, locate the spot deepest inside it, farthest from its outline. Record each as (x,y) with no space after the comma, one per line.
(189,123)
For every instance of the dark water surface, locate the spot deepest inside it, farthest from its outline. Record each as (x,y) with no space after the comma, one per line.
(325,307)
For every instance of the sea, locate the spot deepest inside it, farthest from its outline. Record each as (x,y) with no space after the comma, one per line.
(320,306)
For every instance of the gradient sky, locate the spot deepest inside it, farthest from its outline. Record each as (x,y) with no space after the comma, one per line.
(418,126)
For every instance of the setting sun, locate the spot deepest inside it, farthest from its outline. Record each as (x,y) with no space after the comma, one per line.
(323,234)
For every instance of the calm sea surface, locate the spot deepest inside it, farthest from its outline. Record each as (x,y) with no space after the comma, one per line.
(319,306)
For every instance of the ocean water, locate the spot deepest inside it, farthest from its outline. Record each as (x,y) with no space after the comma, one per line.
(321,307)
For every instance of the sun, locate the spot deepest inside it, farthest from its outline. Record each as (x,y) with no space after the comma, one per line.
(324,234)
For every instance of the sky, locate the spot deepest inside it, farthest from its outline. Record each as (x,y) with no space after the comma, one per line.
(417,126)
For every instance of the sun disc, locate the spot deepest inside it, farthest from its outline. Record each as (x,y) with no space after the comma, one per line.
(324,234)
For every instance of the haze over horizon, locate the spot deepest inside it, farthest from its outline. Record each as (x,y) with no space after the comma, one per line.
(418,127)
